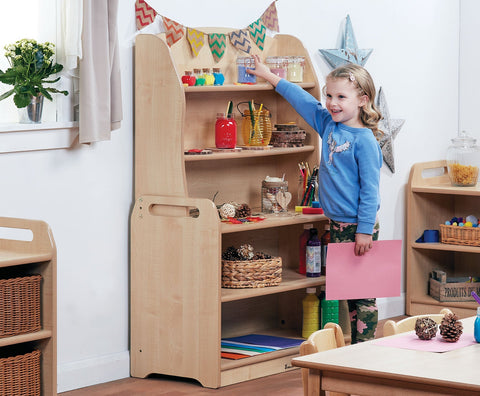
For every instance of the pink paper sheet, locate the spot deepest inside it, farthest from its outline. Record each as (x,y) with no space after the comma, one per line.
(437,344)
(375,274)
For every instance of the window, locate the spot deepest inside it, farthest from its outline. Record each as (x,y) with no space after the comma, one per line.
(37,20)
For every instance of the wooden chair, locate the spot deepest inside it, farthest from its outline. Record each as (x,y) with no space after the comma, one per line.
(407,324)
(330,337)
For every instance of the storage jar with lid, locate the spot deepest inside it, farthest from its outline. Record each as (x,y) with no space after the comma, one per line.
(295,68)
(277,65)
(244,63)
(463,161)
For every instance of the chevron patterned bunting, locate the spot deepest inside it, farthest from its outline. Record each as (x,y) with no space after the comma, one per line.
(270,18)
(218,44)
(240,40)
(195,38)
(144,14)
(257,32)
(174,31)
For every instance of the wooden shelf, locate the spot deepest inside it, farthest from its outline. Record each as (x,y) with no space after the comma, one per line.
(245,87)
(39,253)
(446,247)
(273,221)
(178,307)
(248,154)
(291,280)
(431,199)
(36,336)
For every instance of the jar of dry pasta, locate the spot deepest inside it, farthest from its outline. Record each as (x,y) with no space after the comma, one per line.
(463,161)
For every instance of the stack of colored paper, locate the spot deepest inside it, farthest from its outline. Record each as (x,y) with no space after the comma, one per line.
(255,344)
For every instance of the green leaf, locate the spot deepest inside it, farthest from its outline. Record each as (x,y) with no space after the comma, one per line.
(7,94)
(21,100)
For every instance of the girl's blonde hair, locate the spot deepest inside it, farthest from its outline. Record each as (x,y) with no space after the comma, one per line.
(360,77)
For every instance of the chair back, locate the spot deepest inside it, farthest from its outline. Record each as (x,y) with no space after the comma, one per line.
(391,328)
(330,337)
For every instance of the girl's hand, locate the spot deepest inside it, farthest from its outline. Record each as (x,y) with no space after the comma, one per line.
(363,243)
(263,71)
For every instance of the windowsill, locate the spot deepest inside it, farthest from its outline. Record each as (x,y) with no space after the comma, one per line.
(16,137)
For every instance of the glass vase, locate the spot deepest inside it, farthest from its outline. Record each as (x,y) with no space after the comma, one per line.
(32,114)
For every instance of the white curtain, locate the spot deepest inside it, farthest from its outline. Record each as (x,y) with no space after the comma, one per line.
(100,109)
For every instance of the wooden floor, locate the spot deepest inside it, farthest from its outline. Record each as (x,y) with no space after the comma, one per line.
(289,383)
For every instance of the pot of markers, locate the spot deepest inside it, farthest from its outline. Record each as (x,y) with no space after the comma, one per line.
(476,326)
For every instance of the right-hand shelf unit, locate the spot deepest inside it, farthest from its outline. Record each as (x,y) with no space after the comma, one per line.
(431,200)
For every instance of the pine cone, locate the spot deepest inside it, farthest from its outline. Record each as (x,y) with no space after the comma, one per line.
(426,328)
(230,254)
(451,328)
(261,256)
(245,252)
(243,210)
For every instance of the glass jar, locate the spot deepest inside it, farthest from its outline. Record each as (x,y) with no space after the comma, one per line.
(188,78)
(275,195)
(244,63)
(463,161)
(225,132)
(208,76)
(295,68)
(218,75)
(199,79)
(256,129)
(277,65)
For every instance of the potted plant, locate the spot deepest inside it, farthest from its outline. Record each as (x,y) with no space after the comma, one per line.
(31,64)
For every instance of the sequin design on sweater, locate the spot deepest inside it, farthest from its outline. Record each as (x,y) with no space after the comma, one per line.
(333,147)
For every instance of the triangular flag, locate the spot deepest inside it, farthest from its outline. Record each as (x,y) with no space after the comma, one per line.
(195,38)
(218,44)
(174,31)
(270,18)
(144,14)
(258,31)
(240,40)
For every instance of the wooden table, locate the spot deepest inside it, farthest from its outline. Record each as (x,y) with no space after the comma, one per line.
(368,369)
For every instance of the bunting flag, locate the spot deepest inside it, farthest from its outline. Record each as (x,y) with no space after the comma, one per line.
(218,44)
(270,18)
(174,31)
(258,31)
(195,38)
(144,14)
(240,40)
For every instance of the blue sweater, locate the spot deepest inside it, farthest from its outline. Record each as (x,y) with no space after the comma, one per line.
(349,174)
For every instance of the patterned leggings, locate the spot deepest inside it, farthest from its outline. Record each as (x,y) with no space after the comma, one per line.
(363,312)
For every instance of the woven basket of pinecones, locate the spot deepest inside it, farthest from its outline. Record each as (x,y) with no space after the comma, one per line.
(426,328)
(242,268)
(451,328)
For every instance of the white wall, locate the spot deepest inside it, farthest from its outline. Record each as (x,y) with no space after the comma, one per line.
(85,194)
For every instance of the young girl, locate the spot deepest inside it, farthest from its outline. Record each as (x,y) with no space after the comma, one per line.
(350,163)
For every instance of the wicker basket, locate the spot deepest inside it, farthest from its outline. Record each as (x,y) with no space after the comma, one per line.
(457,235)
(20,305)
(20,375)
(251,273)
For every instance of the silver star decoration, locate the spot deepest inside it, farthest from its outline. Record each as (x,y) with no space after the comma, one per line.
(390,128)
(348,51)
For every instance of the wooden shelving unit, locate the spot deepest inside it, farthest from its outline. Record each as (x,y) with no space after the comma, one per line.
(179,311)
(35,254)
(431,200)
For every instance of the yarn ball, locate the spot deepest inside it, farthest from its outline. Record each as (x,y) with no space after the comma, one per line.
(426,328)
(227,210)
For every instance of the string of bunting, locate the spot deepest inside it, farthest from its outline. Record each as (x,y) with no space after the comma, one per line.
(241,39)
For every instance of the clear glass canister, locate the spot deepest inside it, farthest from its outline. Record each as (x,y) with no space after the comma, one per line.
(275,196)
(463,161)
(244,63)
(295,68)
(277,65)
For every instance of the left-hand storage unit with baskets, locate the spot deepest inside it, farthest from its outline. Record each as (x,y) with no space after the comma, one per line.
(28,346)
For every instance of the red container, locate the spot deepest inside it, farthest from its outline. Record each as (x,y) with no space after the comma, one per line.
(225,132)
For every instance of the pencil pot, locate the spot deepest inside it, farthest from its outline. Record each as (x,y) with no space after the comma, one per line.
(256,126)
